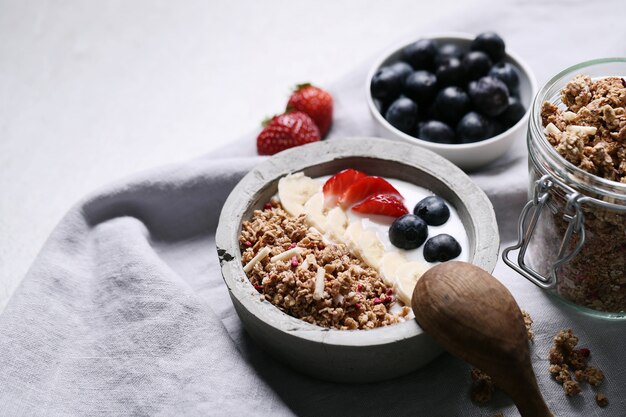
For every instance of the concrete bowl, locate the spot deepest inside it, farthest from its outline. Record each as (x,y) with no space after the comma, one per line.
(347,355)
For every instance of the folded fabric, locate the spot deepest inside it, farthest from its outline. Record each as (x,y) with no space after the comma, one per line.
(124,312)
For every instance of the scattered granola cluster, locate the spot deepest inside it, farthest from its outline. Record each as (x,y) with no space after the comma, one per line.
(321,283)
(568,365)
(591,132)
(482,385)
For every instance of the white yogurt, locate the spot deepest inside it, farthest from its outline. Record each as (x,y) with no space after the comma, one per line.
(412,195)
(366,235)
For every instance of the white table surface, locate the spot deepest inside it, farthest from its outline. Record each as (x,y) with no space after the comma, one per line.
(93,91)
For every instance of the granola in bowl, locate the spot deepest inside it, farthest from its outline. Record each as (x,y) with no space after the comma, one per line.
(318,282)
(321,250)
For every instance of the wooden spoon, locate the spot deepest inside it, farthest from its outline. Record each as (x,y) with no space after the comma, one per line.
(474,317)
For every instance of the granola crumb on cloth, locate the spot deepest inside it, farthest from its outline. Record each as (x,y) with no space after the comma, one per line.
(601,400)
(567,361)
(318,282)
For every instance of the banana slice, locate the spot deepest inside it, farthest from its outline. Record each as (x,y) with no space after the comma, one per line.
(365,244)
(389,266)
(352,236)
(372,249)
(294,190)
(336,222)
(314,210)
(407,276)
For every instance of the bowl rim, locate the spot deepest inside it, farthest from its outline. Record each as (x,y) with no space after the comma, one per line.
(464,36)
(297,159)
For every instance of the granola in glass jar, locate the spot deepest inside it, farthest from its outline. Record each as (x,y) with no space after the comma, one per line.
(588,129)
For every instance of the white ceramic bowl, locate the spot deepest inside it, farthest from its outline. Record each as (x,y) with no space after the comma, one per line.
(347,355)
(468,156)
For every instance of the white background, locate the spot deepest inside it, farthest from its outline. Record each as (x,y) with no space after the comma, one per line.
(92,91)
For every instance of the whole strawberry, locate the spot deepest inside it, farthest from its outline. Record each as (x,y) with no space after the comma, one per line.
(315,102)
(286,131)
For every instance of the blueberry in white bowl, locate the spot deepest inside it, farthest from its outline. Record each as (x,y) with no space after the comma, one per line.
(513,112)
(386,84)
(506,73)
(490,43)
(421,54)
(446,51)
(421,86)
(451,104)
(436,131)
(474,127)
(476,64)
(402,69)
(450,72)
(489,95)
(402,114)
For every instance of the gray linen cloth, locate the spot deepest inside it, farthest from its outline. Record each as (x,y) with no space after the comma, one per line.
(124,312)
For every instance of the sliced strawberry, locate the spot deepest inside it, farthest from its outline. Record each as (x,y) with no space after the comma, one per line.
(383,204)
(338,184)
(364,188)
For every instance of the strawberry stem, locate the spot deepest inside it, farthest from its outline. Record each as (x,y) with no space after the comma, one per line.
(301,86)
(267,121)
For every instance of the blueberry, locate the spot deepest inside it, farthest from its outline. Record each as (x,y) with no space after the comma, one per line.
(441,248)
(474,127)
(476,64)
(433,210)
(421,86)
(402,114)
(408,232)
(448,50)
(489,96)
(513,113)
(450,105)
(489,43)
(402,69)
(386,84)
(506,73)
(421,54)
(450,72)
(436,131)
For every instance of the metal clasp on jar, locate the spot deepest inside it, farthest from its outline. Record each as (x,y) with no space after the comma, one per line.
(573,215)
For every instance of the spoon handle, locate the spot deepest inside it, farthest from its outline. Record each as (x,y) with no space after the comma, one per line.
(529,400)
(534,409)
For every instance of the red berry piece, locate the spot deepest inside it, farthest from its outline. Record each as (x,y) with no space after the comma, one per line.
(364,188)
(382,204)
(338,184)
(315,102)
(286,131)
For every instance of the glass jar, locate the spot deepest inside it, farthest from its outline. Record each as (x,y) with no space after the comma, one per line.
(572,232)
